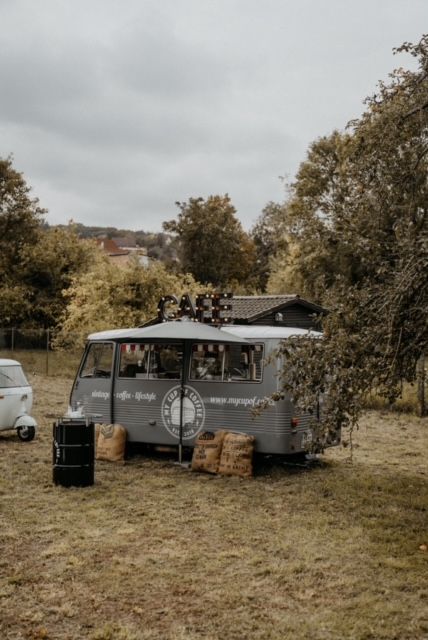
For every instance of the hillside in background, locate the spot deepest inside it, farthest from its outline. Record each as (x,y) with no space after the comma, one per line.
(159,246)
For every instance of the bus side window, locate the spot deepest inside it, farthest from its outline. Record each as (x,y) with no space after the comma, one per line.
(171,358)
(207,362)
(133,360)
(147,361)
(244,363)
(232,363)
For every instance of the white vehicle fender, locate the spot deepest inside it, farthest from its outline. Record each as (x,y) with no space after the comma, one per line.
(25,421)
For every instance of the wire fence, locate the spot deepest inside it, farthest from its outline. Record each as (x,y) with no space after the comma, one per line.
(35,350)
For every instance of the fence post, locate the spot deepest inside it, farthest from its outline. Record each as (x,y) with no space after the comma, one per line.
(12,340)
(421,386)
(47,352)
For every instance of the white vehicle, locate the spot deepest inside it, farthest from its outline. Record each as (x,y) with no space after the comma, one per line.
(16,400)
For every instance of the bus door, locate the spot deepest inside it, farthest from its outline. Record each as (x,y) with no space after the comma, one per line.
(92,390)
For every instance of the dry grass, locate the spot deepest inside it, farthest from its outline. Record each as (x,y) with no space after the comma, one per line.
(408,402)
(40,362)
(154,551)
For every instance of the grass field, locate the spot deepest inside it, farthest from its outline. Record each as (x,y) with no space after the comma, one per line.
(335,550)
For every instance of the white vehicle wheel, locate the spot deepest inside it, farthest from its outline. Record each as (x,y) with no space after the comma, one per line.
(26,433)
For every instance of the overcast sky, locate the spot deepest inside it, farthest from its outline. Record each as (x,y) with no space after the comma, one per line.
(116,109)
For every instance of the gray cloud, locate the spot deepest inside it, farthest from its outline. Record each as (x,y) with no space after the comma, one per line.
(115,110)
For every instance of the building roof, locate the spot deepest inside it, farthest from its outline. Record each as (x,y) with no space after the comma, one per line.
(110,247)
(248,309)
(252,307)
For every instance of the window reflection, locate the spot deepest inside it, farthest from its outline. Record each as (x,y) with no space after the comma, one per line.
(139,360)
(220,362)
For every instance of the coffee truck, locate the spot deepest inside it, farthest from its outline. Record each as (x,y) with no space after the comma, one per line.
(169,381)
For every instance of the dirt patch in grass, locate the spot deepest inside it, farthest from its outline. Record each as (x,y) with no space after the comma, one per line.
(325,551)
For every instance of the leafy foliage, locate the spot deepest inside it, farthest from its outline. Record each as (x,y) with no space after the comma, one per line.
(319,203)
(20,215)
(107,297)
(213,246)
(359,211)
(270,237)
(48,269)
(20,219)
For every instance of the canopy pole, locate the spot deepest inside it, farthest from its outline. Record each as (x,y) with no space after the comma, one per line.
(182,392)
(180,442)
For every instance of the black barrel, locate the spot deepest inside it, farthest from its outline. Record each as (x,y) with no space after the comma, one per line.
(73,453)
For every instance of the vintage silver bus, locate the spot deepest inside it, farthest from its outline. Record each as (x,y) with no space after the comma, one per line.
(167,382)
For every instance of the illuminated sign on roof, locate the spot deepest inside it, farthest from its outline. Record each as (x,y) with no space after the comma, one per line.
(209,308)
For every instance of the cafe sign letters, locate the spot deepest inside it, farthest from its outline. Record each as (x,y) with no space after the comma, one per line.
(209,308)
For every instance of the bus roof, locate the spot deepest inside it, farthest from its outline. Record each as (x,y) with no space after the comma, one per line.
(203,333)
(174,331)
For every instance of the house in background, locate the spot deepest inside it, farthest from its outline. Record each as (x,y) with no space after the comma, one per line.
(121,251)
(277,310)
(127,243)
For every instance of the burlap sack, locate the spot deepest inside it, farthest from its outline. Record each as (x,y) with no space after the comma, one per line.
(207,451)
(237,455)
(111,443)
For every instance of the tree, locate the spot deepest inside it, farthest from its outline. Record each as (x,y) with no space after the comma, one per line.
(110,297)
(367,196)
(214,248)
(270,237)
(319,204)
(20,217)
(20,228)
(48,269)
(287,272)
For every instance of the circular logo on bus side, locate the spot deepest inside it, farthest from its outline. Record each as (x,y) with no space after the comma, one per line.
(193,412)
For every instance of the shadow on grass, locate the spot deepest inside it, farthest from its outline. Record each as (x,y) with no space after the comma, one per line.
(263,465)
(267,465)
